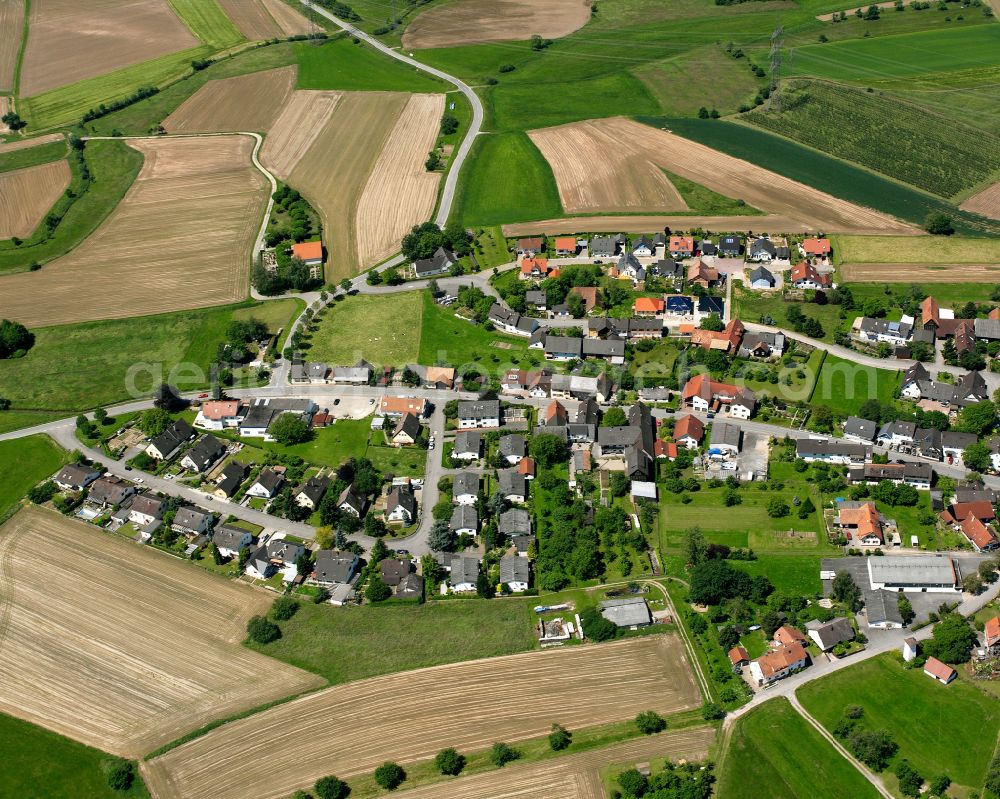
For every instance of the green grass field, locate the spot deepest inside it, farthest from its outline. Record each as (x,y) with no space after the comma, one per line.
(448,339)
(752,305)
(821,171)
(39,764)
(113,165)
(940,729)
(506,180)
(208,22)
(918,250)
(26,461)
(933,153)
(33,156)
(369,640)
(143,117)
(703,201)
(843,386)
(774,746)
(276,314)
(340,64)
(797,575)
(17,420)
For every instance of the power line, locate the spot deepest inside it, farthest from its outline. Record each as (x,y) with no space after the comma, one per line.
(774,98)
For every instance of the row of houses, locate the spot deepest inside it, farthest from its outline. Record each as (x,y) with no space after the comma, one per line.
(252,418)
(759,248)
(318,373)
(927,442)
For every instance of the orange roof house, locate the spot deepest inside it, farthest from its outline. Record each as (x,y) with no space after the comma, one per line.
(216,410)
(681,244)
(864,522)
(702,274)
(738,656)
(649,305)
(982,509)
(526,468)
(979,535)
(565,244)
(939,671)
(555,414)
(534,267)
(728,340)
(440,376)
(400,406)
(665,449)
(310,252)
(789,635)
(995,314)
(806,273)
(591,296)
(779,662)
(689,427)
(816,247)
(930,313)
(991,631)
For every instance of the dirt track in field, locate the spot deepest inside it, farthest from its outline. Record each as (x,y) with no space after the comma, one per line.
(652,224)
(810,208)
(400,191)
(335,169)
(986,202)
(473,21)
(121,647)
(247,102)
(11,24)
(597,173)
(576,776)
(24,144)
(70,40)
(296,128)
(350,729)
(181,238)
(26,195)
(920,273)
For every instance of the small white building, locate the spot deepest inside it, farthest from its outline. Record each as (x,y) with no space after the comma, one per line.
(909,648)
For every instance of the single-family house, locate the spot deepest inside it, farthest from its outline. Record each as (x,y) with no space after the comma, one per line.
(350,501)
(163,446)
(231,540)
(464,573)
(267,484)
(648,306)
(333,567)
(310,493)
(229,480)
(401,506)
(778,663)
(563,348)
(515,573)
(566,246)
(478,414)
(512,448)
(689,431)
(264,411)
(530,245)
(763,345)
(704,394)
(606,246)
(730,246)
(613,351)
(512,486)
(761,278)
(863,431)
(514,521)
(726,340)
(468,445)
(681,246)
(954,444)
(882,331)
(707,247)
(464,520)
(786,635)
(393,570)
(814,248)
(109,491)
(862,523)
(206,451)
(535,269)
(912,378)
(591,296)
(220,414)
(897,434)
(882,610)
(75,478)
(827,634)
(145,509)
(465,488)
(309,252)
(701,274)
(527,383)
(192,521)
(396,407)
(927,443)
(679,305)
(522,544)
(643,247)
(406,432)
(629,268)
(762,250)
(440,262)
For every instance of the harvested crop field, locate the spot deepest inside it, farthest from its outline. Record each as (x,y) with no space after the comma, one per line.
(920,273)
(473,21)
(760,188)
(264,19)
(70,41)
(576,776)
(986,202)
(156,253)
(334,170)
(12,22)
(349,729)
(296,128)
(291,22)
(26,195)
(246,102)
(400,190)
(599,173)
(648,224)
(24,144)
(121,647)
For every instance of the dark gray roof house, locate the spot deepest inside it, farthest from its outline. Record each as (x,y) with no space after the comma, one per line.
(192,520)
(465,483)
(468,443)
(860,429)
(761,278)
(110,490)
(401,502)
(75,478)
(827,634)
(512,447)
(465,517)
(439,263)
(206,451)
(393,570)
(311,491)
(730,246)
(231,538)
(515,569)
(165,444)
(606,246)
(410,587)
(351,501)
(515,521)
(333,566)
(511,484)
(230,478)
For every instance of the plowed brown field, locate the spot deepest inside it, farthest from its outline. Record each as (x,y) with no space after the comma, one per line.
(575,776)
(733,177)
(252,19)
(400,191)
(986,202)
(335,169)
(69,40)
(350,729)
(247,102)
(597,173)
(289,19)
(26,195)
(24,144)
(471,21)
(920,273)
(180,238)
(296,128)
(11,23)
(121,647)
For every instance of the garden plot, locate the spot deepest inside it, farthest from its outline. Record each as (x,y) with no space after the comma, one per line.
(245,103)
(26,195)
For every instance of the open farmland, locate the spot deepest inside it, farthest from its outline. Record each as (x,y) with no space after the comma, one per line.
(335,169)
(400,191)
(289,19)
(986,202)
(264,19)
(599,173)
(70,41)
(155,253)
(919,273)
(576,776)
(349,729)
(246,102)
(26,195)
(24,144)
(646,223)
(11,21)
(295,129)
(473,21)
(121,647)
(940,155)
(768,191)
(918,250)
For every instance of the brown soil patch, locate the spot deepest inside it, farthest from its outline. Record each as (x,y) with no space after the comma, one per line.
(597,173)
(6,103)
(121,647)
(26,195)
(651,224)
(252,19)
(12,24)
(472,21)
(70,41)
(296,128)
(986,202)
(400,192)
(920,273)
(350,729)
(335,169)
(576,776)
(733,177)
(247,102)
(289,19)
(181,238)
(24,144)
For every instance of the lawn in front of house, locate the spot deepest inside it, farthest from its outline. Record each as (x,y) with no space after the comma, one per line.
(940,729)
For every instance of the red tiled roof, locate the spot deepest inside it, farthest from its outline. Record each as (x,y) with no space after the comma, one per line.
(992,631)
(308,250)
(649,305)
(689,426)
(977,532)
(220,409)
(981,509)
(804,271)
(526,467)
(816,246)
(940,670)
(681,243)
(930,311)
(738,655)
(788,635)
(780,659)
(995,313)
(556,410)
(589,294)
(865,519)
(565,243)
(402,405)
(530,265)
